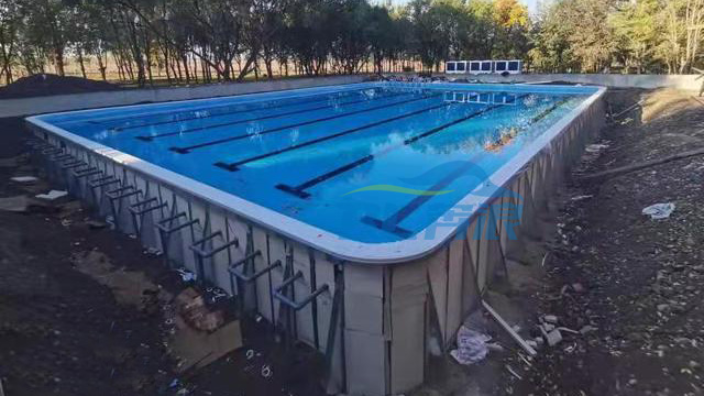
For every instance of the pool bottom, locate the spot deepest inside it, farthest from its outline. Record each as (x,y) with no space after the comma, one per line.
(370,321)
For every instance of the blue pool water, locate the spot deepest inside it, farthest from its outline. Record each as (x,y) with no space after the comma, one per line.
(370,162)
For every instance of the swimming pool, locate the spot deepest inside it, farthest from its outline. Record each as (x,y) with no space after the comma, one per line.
(372,163)
(345,205)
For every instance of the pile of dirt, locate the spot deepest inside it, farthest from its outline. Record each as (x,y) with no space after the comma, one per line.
(51,84)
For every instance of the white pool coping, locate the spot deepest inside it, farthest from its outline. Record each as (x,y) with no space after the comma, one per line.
(343,249)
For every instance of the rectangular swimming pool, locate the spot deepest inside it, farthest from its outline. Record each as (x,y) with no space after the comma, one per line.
(365,220)
(369,165)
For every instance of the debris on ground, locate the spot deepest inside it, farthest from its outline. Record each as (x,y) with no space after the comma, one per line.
(17,203)
(186,275)
(471,346)
(200,334)
(596,148)
(96,224)
(53,195)
(25,180)
(659,211)
(629,298)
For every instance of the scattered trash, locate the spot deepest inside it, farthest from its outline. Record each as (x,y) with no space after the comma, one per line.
(24,180)
(659,211)
(596,148)
(215,294)
(587,329)
(96,225)
(553,337)
(471,346)
(197,349)
(495,347)
(552,319)
(578,288)
(581,197)
(545,258)
(192,308)
(513,372)
(53,195)
(174,383)
(186,275)
(509,329)
(14,204)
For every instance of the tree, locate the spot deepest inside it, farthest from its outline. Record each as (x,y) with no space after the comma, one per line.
(636,32)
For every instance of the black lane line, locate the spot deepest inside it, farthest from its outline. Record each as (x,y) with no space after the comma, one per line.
(165,113)
(391,224)
(186,150)
(235,165)
(149,138)
(299,190)
(287,104)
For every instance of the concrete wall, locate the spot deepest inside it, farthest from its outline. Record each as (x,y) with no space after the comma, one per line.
(647,81)
(51,104)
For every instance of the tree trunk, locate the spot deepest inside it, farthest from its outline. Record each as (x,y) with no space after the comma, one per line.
(81,62)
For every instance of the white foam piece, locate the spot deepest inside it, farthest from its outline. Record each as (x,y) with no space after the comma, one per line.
(24,179)
(53,195)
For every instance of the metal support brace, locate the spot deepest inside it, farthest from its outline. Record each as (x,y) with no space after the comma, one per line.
(139,209)
(72,164)
(252,277)
(52,150)
(289,302)
(167,228)
(60,157)
(335,322)
(87,172)
(198,247)
(118,195)
(232,268)
(99,183)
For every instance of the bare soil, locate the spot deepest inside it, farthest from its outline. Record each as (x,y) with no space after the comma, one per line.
(642,278)
(82,310)
(51,84)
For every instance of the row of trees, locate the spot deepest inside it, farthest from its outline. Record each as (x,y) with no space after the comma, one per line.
(204,40)
(638,35)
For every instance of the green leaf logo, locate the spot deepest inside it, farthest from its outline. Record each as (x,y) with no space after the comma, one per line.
(400,190)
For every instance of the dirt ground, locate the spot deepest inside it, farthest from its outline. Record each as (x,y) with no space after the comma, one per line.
(51,84)
(642,279)
(634,289)
(629,286)
(82,310)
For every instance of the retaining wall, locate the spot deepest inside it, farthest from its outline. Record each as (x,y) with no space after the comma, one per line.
(646,81)
(51,104)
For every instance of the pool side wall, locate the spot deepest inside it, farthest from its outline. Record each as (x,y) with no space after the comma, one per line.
(413,302)
(372,322)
